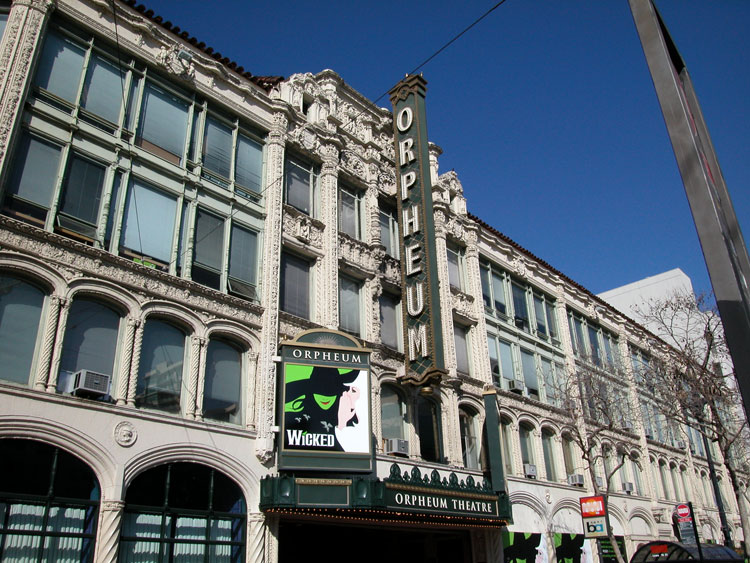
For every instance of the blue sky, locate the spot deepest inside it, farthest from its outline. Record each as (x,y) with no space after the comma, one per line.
(545,109)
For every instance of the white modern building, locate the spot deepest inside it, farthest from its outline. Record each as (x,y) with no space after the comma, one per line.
(168,221)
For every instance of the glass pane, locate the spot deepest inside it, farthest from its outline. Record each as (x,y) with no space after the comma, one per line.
(524,434)
(3,23)
(148,222)
(529,372)
(349,305)
(578,329)
(498,293)
(429,429)
(549,381)
(389,321)
(249,165)
(549,456)
(596,355)
(222,394)
(462,353)
(454,270)
(243,255)
(541,320)
(295,286)
(35,175)
(551,319)
(486,276)
(519,304)
(60,67)
(20,313)
(298,188)
(469,441)
(387,238)
(392,413)
(348,213)
(103,89)
(160,369)
(163,123)
(83,190)
(506,360)
(90,341)
(217,147)
(494,359)
(209,240)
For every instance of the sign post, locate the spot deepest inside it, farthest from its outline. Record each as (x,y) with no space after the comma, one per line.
(594,516)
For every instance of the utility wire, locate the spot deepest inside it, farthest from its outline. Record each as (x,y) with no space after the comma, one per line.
(352,121)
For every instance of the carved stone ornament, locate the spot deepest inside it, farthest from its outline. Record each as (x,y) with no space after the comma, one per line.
(125,434)
(181,66)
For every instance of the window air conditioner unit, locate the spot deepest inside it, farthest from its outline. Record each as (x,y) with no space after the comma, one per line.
(87,383)
(396,446)
(627,487)
(599,482)
(529,469)
(681,445)
(575,480)
(515,386)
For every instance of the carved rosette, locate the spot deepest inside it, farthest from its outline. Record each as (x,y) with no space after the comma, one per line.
(125,434)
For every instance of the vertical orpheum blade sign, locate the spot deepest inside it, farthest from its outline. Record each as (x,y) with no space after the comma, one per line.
(423,335)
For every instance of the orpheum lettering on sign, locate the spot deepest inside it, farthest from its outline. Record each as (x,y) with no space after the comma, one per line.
(438,503)
(422,328)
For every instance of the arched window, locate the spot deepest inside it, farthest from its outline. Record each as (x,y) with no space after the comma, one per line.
(549,455)
(90,341)
(708,494)
(183,512)
(49,502)
(222,392)
(505,432)
(160,368)
(569,454)
(686,489)
(392,413)
(664,481)
(20,312)
(428,422)
(525,434)
(675,483)
(470,437)
(636,469)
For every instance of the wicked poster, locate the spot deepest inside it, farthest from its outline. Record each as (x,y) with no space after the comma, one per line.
(325,414)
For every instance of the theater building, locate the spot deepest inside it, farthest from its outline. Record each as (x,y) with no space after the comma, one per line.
(207,319)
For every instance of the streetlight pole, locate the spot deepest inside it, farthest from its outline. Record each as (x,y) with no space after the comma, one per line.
(726,530)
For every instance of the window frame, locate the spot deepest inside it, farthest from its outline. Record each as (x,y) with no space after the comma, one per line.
(308,305)
(357,285)
(456,266)
(313,181)
(388,221)
(357,196)
(399,335)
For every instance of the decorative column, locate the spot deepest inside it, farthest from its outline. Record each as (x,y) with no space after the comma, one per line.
(250,399)
(256,538)
(135,364)
(327,267)
(50,329)
(123,381)
(271,539)
(194,399)
(108,533)
(266,373)
(58,344)
(18,50)
(451,430)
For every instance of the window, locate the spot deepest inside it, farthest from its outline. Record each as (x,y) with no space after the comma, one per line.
(162,128)
(148,224)
(678,494)
(593,343)
(161,366)
(569,455)
(665,481)
(350,212)
(81,197)
(3,23)
(389,231)
(33,180)
(222,394)
(527,444)
(229,155)
(460,341)
(505,433)
(207,254)
(90,341)
(544,316)
(469,428)
(550,384)
(183,512)
(635,467)
(520,307)
(295,285)
(392,413)
(20,313)
(50,504)
(349,305)
(390,321)
(501,361)
(60,67)
(493,290)
(548,438)
(428,428)
(300,185)
(528,365)
(243,263)
(455,266)
(610,462)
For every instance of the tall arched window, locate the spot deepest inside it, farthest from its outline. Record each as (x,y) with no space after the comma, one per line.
(505,432)
(525,434)
(222,393)
(90,341)
(392,413)
(637,480)
(49,502)
(183,512)
(548,437)
(569,454)
(20,312)
(470,437)
(160,368)
(665,481)
(428,421)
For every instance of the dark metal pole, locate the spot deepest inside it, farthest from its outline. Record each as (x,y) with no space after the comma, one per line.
(717,493)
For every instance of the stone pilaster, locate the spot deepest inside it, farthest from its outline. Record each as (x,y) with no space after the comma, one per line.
(123,381)
(266,374)
(327,267)
(18,50)
(451,429)
(251,400)
(135,364)
(48,344)
(108,532)
(256,538)
(57,348)
(194,398)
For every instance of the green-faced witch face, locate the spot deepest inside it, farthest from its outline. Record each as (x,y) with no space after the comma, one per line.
(325,402)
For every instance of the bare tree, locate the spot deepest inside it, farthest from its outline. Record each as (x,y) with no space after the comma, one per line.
(597,411)
(693,382)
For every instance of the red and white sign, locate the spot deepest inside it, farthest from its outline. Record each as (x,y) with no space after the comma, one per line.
(592,506)
(683,511)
